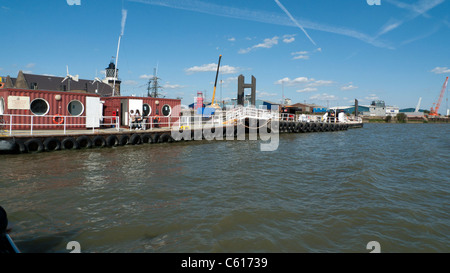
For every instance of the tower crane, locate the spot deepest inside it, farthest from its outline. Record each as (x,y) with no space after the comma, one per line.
(434,111)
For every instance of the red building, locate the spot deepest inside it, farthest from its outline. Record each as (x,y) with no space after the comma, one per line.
(44,102)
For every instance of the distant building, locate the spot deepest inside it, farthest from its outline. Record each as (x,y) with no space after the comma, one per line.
(392,111)
(351,109)
(309,108)
(376,109)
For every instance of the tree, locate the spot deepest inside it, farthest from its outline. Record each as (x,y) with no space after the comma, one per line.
(401,117)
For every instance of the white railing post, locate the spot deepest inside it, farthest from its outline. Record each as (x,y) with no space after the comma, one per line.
(10,125)
(65,122)
(31,129)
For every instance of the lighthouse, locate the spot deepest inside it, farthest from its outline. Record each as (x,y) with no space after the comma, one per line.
(112,78)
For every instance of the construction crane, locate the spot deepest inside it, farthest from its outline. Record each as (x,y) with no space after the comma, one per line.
(213,103)
(434,110)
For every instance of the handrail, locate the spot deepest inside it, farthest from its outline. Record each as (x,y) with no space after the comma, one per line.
(32,122)
(151,122)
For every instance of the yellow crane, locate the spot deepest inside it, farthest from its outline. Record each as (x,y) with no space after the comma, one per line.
(213,102)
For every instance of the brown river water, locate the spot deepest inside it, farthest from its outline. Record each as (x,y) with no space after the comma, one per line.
(318,192)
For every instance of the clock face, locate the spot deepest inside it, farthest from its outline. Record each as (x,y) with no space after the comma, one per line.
(166,110)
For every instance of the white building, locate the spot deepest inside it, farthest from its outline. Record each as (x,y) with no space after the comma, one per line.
(392,110)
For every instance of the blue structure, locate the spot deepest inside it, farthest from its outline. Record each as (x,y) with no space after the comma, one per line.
(319,110)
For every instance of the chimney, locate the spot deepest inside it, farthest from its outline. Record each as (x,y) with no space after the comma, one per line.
(9,83)
(21,83)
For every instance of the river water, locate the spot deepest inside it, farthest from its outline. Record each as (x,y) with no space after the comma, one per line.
(318,192)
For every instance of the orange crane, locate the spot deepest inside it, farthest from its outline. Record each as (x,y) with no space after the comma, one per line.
(434,111)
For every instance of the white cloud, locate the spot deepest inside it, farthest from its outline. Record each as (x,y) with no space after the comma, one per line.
(323,97)
(299,53)
(130,82)
(30,65)
(232,39)
(349,86)
(288,38)
(145,76)
(266,94)
(320,83)
(225,69)
(172,86)
(229,81)
(301,57)
(372,97)
(296,81)
(307,89)
(309,84)
(441,70)
(267,43)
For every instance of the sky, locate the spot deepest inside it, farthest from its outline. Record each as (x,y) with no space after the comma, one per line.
(326,52)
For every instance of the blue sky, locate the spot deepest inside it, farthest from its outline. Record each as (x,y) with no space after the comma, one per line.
(326,52)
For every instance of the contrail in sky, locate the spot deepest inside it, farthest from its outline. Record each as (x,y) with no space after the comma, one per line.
(124,19)
(262,17)
(293,20)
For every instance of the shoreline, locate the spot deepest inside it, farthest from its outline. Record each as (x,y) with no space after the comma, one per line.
(407,121)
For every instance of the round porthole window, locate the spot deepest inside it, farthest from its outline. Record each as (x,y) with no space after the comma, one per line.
(166,110)
(75,108)
(39,107)
(146,110)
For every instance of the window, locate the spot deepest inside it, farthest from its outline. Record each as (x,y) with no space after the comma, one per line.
(146,110)
(166,110)
(75,108)
(2,106)
(39,107)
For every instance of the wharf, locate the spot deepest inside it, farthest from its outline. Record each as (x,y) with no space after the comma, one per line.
(24,141)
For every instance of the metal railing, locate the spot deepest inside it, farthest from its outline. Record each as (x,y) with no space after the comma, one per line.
(10,123)
(319,118)
(153,122)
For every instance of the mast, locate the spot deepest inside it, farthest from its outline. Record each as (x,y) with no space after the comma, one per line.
(115,70)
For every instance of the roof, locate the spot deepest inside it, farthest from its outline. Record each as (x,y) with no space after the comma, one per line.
(54,83)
